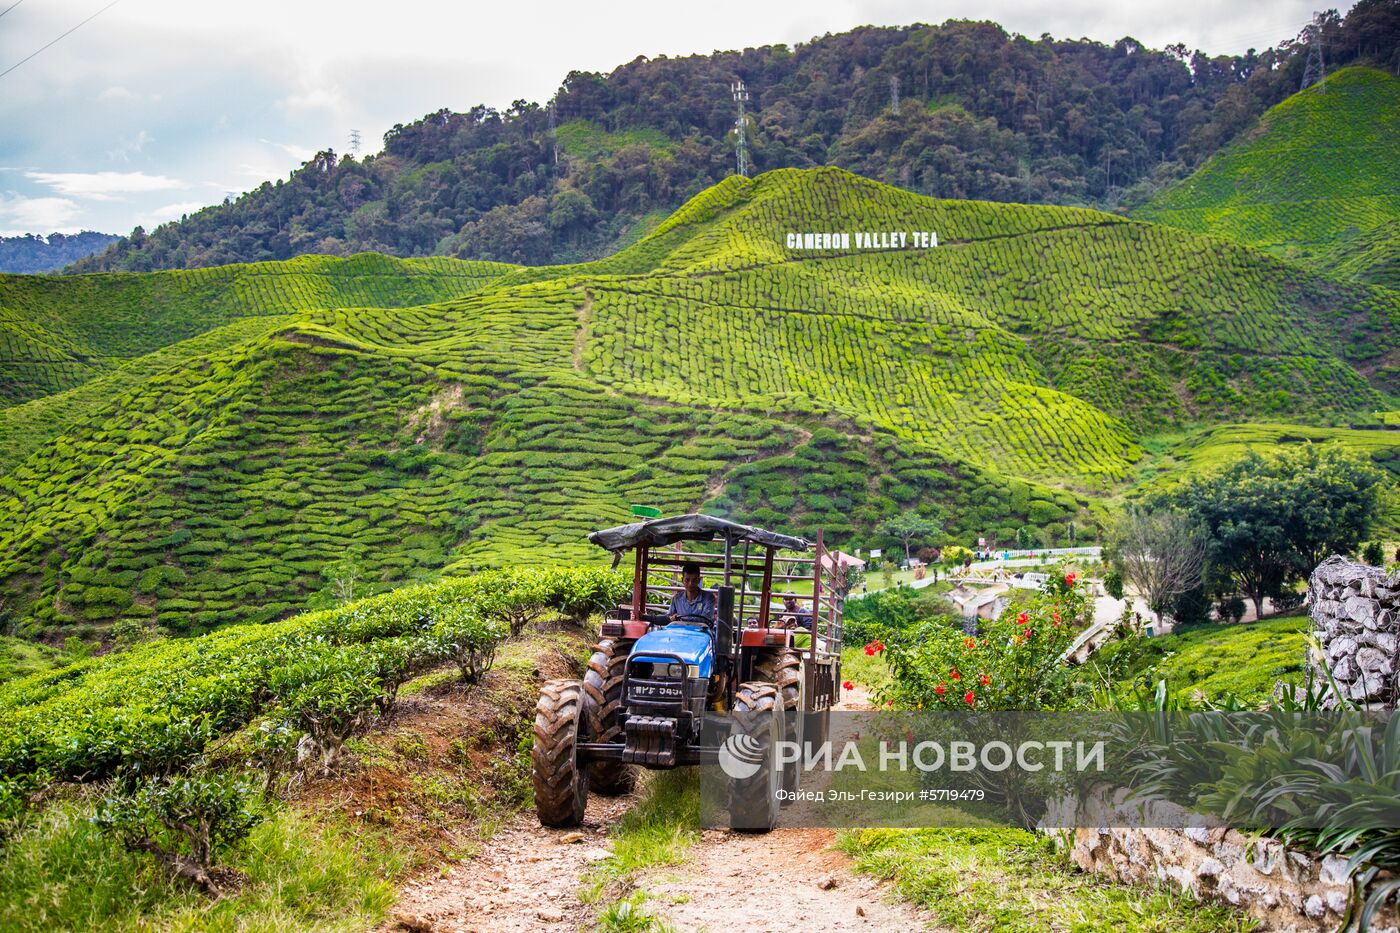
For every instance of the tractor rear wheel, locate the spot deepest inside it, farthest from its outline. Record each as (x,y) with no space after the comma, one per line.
(783,669)
(602,699)
(753,798)
(561,786)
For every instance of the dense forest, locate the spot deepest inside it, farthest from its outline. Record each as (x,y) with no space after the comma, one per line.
(961,110)
(30,253)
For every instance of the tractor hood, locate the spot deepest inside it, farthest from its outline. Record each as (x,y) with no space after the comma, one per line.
(692,643)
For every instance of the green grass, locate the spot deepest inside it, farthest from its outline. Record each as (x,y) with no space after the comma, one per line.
(60,873)
(1214,661)
(1008,378)
(1011,880)
(1314,177)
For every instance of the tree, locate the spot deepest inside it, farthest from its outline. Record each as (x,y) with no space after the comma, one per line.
(1271,520)
(1335,498)
(1161,554)
(909,525)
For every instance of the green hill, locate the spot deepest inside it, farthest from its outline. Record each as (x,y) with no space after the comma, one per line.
(1318,174)
(1373,256)
(60,331)
(1015,374)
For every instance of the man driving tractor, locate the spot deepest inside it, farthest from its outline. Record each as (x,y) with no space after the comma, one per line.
(692,601)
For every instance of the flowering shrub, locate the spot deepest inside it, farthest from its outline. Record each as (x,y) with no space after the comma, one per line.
(1012,664)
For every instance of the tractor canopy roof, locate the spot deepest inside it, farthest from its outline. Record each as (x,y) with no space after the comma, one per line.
(663,531)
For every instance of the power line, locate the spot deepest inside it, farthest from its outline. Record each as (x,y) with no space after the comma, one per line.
(63,36)
(10,7)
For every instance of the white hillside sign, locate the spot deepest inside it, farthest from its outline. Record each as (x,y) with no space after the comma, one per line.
(864,240)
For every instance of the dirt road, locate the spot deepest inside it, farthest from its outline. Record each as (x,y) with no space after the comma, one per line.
(527,878)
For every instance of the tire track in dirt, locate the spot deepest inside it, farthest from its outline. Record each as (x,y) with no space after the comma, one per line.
(525,878)
(785,880)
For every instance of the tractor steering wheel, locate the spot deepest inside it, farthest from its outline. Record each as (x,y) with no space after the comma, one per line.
(695,617)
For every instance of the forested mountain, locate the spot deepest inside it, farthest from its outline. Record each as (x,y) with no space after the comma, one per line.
(1037,362)
(961,110)
(30,253)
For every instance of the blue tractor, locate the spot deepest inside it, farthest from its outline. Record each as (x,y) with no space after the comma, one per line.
(754,652)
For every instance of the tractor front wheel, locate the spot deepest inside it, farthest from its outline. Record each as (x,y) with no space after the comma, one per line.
(602,699)
(561,786)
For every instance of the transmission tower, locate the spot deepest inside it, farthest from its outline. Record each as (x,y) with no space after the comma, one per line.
(553,139)
(741,143)
(1316,70)
(894,93)
(355,143)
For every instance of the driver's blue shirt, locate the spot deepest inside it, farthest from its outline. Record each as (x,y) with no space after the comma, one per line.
(702,605)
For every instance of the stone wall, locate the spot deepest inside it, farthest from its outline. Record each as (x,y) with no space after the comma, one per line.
(1356,620)
(1285,889)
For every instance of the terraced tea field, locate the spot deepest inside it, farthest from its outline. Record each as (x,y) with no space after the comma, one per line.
(242,455)
(58,331)
(1317,174)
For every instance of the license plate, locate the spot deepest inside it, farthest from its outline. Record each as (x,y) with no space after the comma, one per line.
(657,691)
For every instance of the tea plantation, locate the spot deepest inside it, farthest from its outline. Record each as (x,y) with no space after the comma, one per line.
(1317,174)
(236,444)
(59,331)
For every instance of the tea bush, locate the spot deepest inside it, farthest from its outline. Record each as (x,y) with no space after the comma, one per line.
(155,708)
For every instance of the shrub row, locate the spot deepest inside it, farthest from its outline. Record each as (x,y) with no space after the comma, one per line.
(322,674)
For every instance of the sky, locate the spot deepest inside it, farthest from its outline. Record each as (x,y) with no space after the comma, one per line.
(155,108)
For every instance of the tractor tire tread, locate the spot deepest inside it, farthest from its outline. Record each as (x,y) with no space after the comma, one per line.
(602,687)
(561,787)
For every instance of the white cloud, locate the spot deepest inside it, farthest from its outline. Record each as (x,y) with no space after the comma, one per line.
(103,186)
(169,212)
(300,153)
(20,215)
(129,146)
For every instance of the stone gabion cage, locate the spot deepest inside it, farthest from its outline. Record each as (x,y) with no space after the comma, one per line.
(1355,612)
